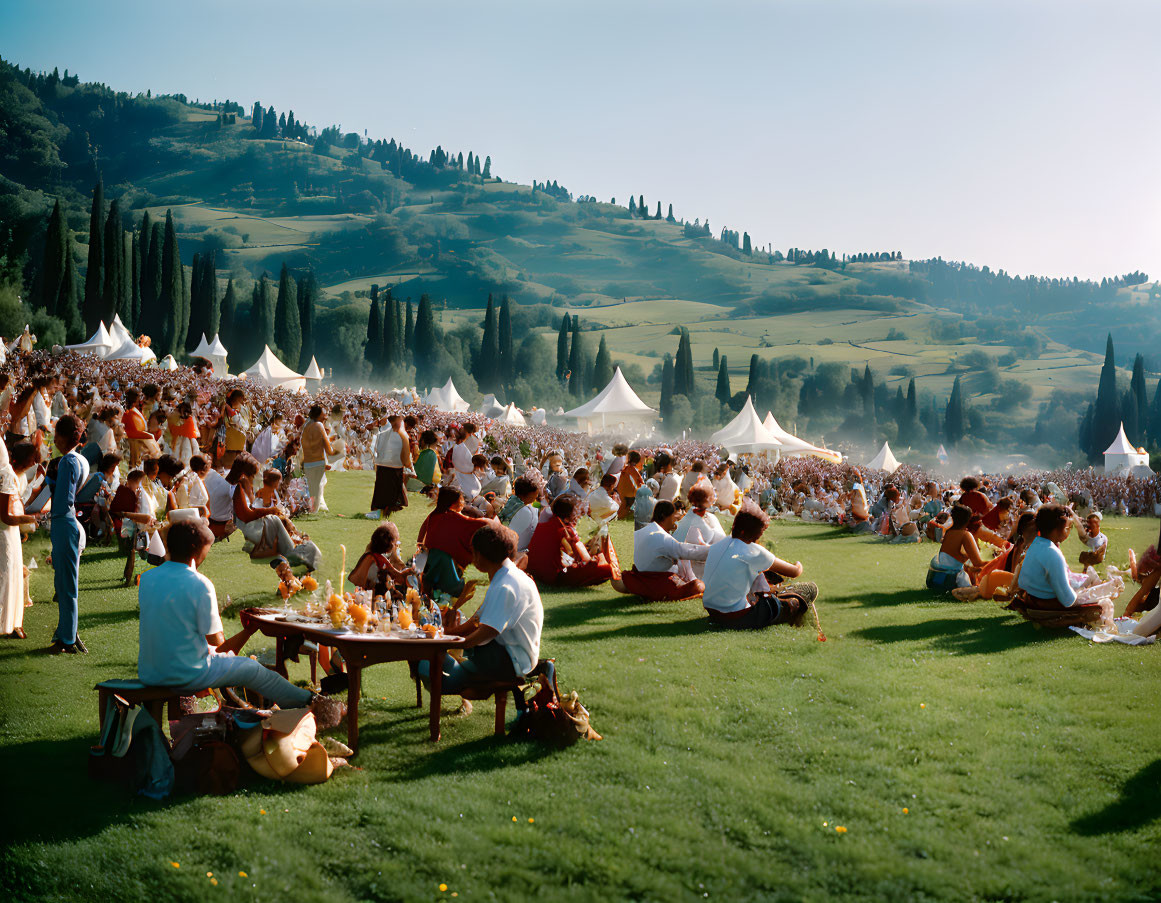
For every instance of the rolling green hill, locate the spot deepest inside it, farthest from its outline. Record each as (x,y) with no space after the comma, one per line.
(359,213)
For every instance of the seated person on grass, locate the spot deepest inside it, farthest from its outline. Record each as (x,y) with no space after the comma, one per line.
(958,559)
(181,640)
(502,639)
(446,534)
(520,513)
(379,568)
(1044,579)
(656,555)
(1096,543)
(557,557)
(738,573)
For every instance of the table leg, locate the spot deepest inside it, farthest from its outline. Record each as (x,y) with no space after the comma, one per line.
(354,689)
(435,690)
(280,664)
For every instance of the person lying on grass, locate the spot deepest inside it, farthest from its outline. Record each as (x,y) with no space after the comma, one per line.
(502,639)
(738,575)
(656,555)
(181,643)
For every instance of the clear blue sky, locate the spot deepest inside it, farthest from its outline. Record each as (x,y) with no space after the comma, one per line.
(1023,135)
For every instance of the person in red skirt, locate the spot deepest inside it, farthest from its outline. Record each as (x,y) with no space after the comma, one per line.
(656,555)
(557,557)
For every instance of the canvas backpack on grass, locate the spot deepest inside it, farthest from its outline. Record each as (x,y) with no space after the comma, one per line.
(132,751)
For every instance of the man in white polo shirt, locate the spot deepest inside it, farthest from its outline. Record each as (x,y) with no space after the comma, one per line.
(656,555)
(502,639)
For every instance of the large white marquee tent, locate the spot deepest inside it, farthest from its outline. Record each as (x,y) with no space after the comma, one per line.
(270,371)
(884,460)
(99,343)
(447,398)
(616,407)
(792,445)
(1121,458)
(214,352)
(746,432)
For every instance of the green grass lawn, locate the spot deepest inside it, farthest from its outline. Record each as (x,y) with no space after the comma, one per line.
(967,755)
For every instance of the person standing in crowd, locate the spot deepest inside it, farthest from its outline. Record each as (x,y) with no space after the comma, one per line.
(629,482)
(12,517)
(392,460)
(68,538)
(316,445)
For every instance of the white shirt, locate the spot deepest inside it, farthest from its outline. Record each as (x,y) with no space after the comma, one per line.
(524,524)
(615,465)
(655,550)
(1096,543)
(669,488)
(602,506)
(40,408)
(388,448)
(469,484)
(730,570)
(462,458)
(221,497)
(179,609)
(512,607)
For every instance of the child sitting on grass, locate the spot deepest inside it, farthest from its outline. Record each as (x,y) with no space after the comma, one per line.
(1096,543)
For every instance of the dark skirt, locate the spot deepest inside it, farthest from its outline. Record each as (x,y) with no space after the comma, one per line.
(389,491)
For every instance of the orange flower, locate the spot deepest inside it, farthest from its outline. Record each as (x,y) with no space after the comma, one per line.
(176,865)
(840,830)
(443,887)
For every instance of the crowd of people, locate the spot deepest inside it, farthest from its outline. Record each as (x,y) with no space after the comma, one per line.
(166,463)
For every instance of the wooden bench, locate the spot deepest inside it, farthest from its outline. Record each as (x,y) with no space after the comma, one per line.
(498,690)
(134,692)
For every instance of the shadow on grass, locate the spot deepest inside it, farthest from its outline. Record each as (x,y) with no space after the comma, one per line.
(476,757)
(572,614)
(648,630)
(974,636)
(91,620)
(1138,805)
(898,597)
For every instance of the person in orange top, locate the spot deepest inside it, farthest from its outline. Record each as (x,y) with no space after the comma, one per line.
(142,443)
(629,482)
(185,434)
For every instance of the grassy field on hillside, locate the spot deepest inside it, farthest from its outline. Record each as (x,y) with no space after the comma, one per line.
(967,755)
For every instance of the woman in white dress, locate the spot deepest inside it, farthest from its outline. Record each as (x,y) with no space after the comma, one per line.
(12,516)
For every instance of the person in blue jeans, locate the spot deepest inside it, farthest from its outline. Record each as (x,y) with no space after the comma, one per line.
(68,537)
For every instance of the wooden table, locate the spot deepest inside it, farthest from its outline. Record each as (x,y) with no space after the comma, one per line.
(360,650)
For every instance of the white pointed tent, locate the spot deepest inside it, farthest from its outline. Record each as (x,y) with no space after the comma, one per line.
(313,374)
(884,460)
(746,433)
(792,445)
(215,353)
(124,347)
(1121,457)
(616,406)
(447,398)
(512,415)
(270,371)
(490,407)
(539,416)
(100,343)
(168,363)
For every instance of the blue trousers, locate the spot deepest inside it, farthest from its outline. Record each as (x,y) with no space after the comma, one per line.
(66,562)
(482,664)
(239,671)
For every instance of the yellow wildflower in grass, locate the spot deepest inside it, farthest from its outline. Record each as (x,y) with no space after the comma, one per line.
(214,882)
(261,811)
(443,887)
(532,821)
(513,818)
(176,865)
(243,875)
(905,810)
(840,829)
(923,705)
(209,874)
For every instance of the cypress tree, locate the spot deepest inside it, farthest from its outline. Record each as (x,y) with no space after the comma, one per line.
(867,394)
(287,328)
(170,301)
(408,334)
(196,328)
(67,307)
(145,234)
(717,358)
(690,387)
(671,218)
(1084,432)
(397,318)
(562,347)
(1155,416)
(1129,417)
(114,275)
(576,373)
(306,293)
(954,420)
(262,316)
(910,413)
(632,206)
(373,350)
(183,314)
(679,366)
(389,343)
(507,364)
(150,320)
(722,392)
(488,362)
(52,268)
(752,381)
(602,366)
(227,324)
(135,281)
(95,271)
(213,302)
(424,346)
(658,214)
(1106,413)
(1140,399)
(488,168)
(590,368)
(127,281)
(667,380)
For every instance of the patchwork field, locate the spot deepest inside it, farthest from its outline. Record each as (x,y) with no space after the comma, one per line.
(966,755)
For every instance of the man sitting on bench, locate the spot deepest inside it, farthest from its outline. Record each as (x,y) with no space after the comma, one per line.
(181,640)
(502,639)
